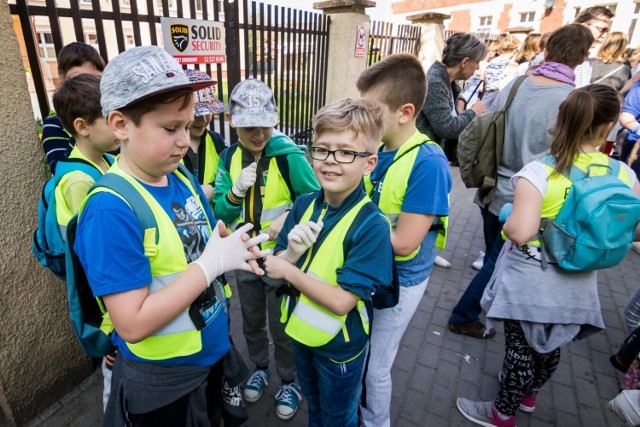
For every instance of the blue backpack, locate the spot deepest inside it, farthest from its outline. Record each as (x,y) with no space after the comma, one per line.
(88,312)
(596,224)
(47,244)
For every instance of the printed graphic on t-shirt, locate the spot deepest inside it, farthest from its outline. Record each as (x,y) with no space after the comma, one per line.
(191,223)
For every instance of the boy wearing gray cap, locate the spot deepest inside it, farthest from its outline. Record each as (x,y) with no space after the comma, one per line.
(159,285)
(254,186)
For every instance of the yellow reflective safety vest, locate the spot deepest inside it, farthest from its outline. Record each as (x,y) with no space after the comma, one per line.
(393,188)
(310,323)
(277,196)
(166,257)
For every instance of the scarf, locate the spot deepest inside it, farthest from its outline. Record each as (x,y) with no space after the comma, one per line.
(556,71)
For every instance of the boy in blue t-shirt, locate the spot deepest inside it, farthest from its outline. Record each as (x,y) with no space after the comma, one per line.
(337,252)
(159,289)
(411,185)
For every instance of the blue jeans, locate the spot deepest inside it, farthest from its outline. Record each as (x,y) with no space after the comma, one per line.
(468,308)
(332,389)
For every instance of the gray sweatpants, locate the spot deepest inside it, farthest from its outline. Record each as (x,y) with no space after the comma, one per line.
(259,303)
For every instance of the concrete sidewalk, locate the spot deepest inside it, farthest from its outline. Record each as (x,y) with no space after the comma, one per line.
(434,366)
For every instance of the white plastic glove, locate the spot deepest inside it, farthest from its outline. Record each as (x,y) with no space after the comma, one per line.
(300,239)
(245,181)
(222,254)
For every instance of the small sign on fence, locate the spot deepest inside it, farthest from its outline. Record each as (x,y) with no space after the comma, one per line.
(361,42)
(193,41)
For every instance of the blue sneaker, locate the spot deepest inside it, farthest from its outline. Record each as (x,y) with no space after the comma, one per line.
(255,385)
(287,399)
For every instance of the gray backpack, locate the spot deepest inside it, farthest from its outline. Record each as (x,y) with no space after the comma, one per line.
(480,148)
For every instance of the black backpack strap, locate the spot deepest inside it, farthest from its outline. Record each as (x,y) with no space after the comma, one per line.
(366,213)
(374,184)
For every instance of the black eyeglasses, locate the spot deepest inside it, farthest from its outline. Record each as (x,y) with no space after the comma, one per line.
(340,156)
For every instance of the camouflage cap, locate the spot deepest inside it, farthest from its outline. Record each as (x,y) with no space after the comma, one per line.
(252,104)
(139,73)
(205,100)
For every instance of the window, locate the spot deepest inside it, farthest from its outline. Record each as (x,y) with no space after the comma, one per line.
(527,16)
(125,3)
(92,39)
(173,4)
(46,46)
(199,5)
(485,21)
(129,41)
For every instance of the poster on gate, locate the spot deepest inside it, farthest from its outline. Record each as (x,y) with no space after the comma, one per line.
(193,41)
(361,41)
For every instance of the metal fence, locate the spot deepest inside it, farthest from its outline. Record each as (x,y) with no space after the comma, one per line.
(284,47)
(482,36)
(384,41)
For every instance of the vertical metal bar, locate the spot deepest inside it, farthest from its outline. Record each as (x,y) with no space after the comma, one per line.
(288,74)
(372,42)
(323,87)
(254,41)
(232,30)
(220,85)
(277,43)
(262,30)
(192,8)
(54,24)
(180,9)
(117,23)
(151,19)
(269,47)
(306,79)
(283,65)
(317,59)
(299,102)
(244,25)
(97,20)
(77,19)
(135,23)
(33,56)
(165,8)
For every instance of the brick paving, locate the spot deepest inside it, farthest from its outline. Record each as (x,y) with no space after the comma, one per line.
(434,366)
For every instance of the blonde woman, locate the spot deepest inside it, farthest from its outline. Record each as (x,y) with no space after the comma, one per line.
(608,68)
(501,69)
(530,48)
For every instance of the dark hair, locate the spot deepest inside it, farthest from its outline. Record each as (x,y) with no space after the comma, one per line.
(544,39)
(569,45)
(136,111)
(75,54)
(78,97)
(401,78)
(460,46)
(580,117)
(591,13)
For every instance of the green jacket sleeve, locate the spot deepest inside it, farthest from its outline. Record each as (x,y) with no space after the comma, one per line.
(224,209)
(305,181)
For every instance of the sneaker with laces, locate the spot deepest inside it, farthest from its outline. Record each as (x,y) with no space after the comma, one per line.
(479,262)
(287,399)
(255,385)
(484,414)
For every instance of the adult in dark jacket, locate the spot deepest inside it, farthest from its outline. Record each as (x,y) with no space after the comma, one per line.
(438,118)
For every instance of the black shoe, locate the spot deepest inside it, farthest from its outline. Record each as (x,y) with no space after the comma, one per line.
(474,329)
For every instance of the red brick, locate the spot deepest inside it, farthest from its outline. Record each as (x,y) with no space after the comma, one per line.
(460,21)
(505,20)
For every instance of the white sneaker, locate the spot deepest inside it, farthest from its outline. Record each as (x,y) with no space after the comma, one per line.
(636,247)
(478,263)
(442,262)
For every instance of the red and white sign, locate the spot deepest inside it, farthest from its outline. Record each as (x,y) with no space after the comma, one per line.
(361,42)
(193,41)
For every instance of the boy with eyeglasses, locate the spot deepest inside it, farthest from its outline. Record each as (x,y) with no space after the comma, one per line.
(257,181)
(335,250)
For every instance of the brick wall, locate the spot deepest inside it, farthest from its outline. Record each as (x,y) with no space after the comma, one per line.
(408,6)
(460,21)
(504,21)
(553,21)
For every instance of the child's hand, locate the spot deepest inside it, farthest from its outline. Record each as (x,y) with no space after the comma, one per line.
(302,237)
(274,228)
(222,254)
(276,267)
(245,181)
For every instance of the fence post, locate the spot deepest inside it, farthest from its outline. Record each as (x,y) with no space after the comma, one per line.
(344,66)
(431,36)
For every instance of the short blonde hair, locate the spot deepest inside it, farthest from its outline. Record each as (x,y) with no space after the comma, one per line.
(360,115)
(613,47)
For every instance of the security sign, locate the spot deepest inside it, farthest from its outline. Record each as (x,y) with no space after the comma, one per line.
(193,41)
(361,41)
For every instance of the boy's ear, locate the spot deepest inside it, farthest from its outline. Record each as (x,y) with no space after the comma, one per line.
(406,113)
(118,124)
(227,116)
(372,161)
(80,126)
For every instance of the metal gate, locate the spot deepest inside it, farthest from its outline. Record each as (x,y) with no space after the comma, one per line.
(284,47)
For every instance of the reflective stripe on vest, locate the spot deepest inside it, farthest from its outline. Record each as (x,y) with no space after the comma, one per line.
(276,199)
(310,323)
(179,337)
(394,187)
